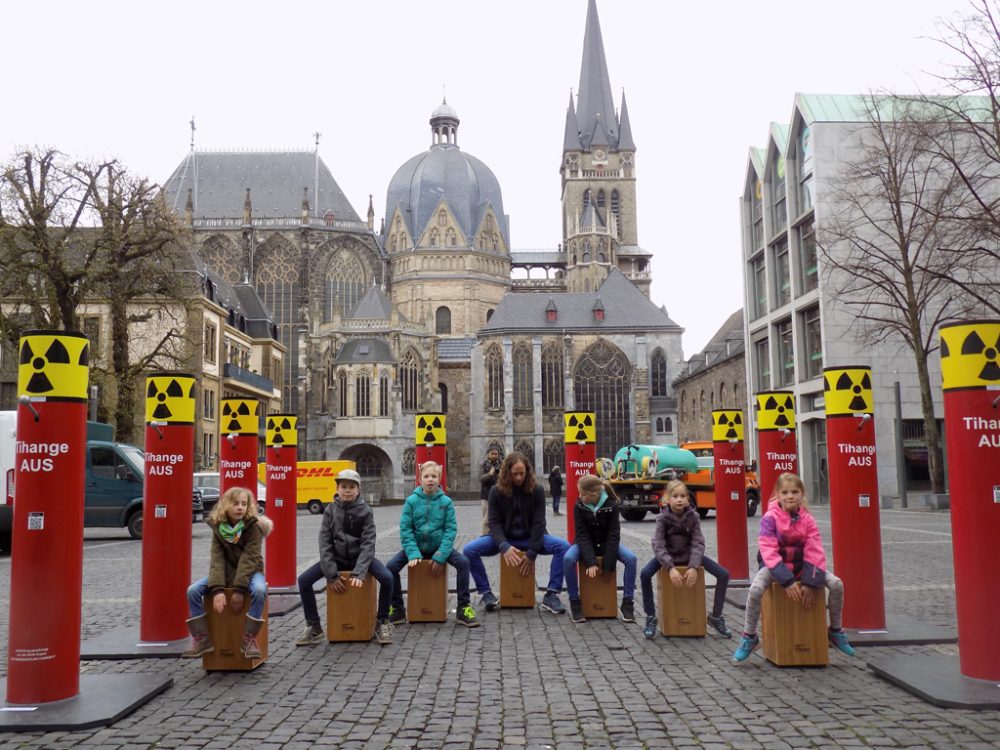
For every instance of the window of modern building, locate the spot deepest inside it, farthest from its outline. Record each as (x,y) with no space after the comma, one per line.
(494,377)
(362,395)
(805,177)
(523,384)
(762,364)
(812,350)
(552,376)
(757,217)
(782,274)
(758,282)
(808,266)
(779,209)
(786,356)
(658,373)
(409,378)
(442,320)
(383,394)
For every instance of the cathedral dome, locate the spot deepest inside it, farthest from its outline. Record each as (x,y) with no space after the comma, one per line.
(445,173)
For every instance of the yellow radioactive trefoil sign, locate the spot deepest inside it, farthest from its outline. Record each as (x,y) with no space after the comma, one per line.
(848,391)
(431,429)
(281,430)
(53,364)
(727,424)
(970,355)
(239,416)
(170,398)
(775,410)
(579,427)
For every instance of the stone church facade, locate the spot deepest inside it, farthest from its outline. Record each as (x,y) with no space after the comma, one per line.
(434,311)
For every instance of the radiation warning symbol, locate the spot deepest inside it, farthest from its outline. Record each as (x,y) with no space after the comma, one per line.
(431,429)
(239,416)
(580,427)
(53,365)
(970,354)
(848,391)
(281,430)
(775,410)
(170,398)
(727,424)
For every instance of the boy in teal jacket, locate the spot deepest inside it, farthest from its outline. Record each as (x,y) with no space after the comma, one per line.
(427,529)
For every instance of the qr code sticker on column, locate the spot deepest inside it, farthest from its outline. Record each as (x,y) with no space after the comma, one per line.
(996,493)
(864,501)
(160,511)
(36,521)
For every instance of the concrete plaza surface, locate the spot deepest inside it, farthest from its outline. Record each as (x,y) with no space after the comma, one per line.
(525,679)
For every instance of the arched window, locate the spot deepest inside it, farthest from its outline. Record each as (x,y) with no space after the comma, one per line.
(616,209)
(600,199)
(342,389)
(442,320)
(409,378)
(362,395)
(602,256)
(409,462)
(452,237)
(658,373)
(383,394)
(489,314)
(586,251)
(586,198)
(522,376)
(442,217)
(433,238)
(668,424)
(701,412)
(684,401)
(346,282)
(602,383)
(526,447)
(552,376)
(443,387)
(553,455)
(494,377)
(722,395)
(278,287)
(659,424)
(369,465)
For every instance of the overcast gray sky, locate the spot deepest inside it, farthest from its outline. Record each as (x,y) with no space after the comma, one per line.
(702,79)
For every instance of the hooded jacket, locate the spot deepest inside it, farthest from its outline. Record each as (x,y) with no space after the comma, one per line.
(501,511)
(233,563)
(347,538)
(678,540)
(598,532)
(791,548)
(428,526)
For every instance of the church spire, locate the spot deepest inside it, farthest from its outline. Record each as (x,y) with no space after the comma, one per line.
(571,140)
(625,142)
(595,105)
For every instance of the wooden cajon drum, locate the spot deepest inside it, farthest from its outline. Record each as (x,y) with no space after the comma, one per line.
(682,609)
(792,635)
(427,594)
(599,595)
(516,590)
(350,616)
(227,637)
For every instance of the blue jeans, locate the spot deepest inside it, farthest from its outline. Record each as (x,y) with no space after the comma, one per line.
(625,556)
(314,573)
(556,496)
(484,546)
(456,560)
(710,566)
(258,595)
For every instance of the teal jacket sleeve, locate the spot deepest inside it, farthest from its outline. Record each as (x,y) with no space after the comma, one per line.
(450,531)
(406,532)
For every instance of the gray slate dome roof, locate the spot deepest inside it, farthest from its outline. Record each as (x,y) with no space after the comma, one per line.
(444,110)
(445,172)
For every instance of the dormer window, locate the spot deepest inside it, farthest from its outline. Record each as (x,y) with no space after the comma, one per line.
(551,313)
(598,310)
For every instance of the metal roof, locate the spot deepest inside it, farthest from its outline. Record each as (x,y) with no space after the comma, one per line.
(455,350)
(540,257)
(595,106)
(357,351)
(374,305)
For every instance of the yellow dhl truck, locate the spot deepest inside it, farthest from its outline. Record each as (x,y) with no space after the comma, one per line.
(316,482)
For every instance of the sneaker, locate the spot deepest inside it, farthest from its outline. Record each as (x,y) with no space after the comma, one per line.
(576,610)
(650,630)
(397,615)
(201,644)
(250,648)
(551,602)
(628,610)
(467,616)
(747,644)
(489,601)
(312,635)
(839,640)
(383,632)
(719,624)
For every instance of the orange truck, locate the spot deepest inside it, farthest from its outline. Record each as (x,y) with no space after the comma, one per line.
(701,483)
(316,482)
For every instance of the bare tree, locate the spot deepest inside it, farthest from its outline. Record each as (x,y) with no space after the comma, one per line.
(882,251)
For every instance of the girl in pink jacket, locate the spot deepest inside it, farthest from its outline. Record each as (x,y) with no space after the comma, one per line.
(792,554)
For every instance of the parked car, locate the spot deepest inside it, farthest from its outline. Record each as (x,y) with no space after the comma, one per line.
(207,483)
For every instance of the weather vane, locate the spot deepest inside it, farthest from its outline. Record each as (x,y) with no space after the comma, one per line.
(316,135)
(192,132)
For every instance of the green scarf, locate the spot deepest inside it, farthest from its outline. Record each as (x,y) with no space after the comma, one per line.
(231,533)
(597,506)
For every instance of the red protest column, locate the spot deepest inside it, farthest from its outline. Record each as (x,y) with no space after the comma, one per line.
(580,440)
(46,570)
(970,370)
(238,431)
(282,463)
(432,444)
(854,514)
(730,491)
(166,506)
(776,448)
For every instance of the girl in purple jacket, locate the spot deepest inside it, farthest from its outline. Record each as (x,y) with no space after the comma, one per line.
(792,554)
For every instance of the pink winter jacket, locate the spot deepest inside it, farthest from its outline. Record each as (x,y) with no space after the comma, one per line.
(791,548)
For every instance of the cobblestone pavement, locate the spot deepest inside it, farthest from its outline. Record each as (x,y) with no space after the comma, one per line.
(526,679)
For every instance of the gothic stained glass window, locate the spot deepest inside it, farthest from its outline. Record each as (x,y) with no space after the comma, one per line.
(442,320)
(552,376)
(278,287)
(658,373)
(346,281)
(602,383)
(409,380)
(553,455)
(362,395)
(526,447)
(522,376)
(342,390)
(383,394)
(494,377)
